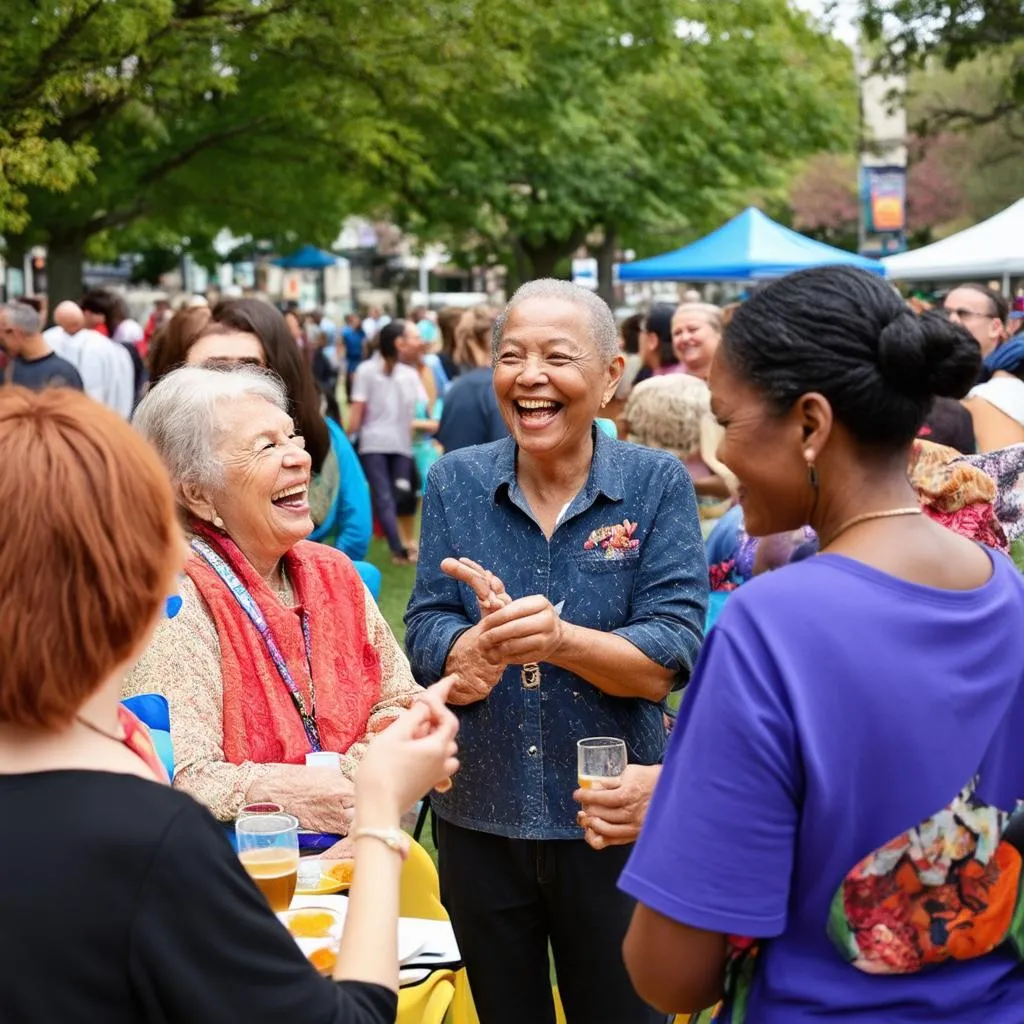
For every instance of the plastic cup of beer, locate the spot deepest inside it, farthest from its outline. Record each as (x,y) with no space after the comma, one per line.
(268,847)
(598,758)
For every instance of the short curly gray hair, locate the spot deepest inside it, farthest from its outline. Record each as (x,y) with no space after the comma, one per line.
(603,332)
(180,416)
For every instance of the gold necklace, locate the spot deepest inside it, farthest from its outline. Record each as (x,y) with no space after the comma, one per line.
(97,729)
(889,513)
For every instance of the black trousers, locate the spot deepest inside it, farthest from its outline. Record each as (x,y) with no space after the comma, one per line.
(509,898)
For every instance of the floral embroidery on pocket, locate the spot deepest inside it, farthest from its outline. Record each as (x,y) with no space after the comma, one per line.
(615,541)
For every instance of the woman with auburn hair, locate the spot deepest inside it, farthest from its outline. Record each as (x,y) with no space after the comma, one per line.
(170,345)
(168,927)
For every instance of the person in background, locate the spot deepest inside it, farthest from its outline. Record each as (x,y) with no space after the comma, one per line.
(812,847)
(996,404)
(123,329)
(169,925)
(673,411)
(157,320)
(982,311)
(105,313)
(375,322)
(95,305)
(448,320)
(106,370)
(430,336)
(696,334)
(471,414)
(170,345)
(355,345)
(242,721)
(385,394)
(629,336)
(32,362)
(562,576)
(656,350)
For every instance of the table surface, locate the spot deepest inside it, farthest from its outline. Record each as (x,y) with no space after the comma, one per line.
(440,949)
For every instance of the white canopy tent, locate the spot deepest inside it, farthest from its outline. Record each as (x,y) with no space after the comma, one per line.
(992,249)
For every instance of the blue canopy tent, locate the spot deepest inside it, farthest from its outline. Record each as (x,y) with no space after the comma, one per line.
(749,248)
(309,257)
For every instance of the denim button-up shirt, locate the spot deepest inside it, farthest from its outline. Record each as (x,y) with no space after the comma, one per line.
(518,746)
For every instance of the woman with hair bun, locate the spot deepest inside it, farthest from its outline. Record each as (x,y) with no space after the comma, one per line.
(832,835)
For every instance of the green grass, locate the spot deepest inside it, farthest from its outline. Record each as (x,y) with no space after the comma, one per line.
(396,586)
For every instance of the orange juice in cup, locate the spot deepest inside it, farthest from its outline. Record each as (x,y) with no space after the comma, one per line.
(599,758)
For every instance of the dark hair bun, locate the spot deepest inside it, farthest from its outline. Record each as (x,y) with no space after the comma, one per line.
(846,334)
(927,355)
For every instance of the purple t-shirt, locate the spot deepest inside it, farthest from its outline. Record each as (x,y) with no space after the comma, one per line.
(833,708)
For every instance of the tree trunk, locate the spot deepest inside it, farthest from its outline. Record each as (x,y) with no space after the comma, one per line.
(64,262)
(605,264)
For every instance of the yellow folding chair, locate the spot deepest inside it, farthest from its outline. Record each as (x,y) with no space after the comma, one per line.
(428,1002)
(420,896)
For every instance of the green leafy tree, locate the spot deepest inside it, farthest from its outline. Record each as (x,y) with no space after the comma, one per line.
(267,117)
(911,34)
(629,124)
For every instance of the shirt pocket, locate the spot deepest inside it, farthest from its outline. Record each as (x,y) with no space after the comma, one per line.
(596,561)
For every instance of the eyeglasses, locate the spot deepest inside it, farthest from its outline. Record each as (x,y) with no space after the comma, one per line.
(963,314)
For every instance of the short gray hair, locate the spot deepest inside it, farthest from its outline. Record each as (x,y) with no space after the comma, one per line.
(22,317)
(603,332)
(179,416)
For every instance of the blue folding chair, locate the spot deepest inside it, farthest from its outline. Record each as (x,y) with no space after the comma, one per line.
(152,711)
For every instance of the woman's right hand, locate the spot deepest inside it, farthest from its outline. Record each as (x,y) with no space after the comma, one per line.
(488,588)
(408,759)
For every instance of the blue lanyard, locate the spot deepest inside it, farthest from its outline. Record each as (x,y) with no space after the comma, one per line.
(252,610)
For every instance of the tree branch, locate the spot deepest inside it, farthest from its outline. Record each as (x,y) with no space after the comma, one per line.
(17,99)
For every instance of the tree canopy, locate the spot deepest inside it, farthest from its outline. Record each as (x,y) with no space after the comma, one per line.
(641,123)
(908,34)
(509,129)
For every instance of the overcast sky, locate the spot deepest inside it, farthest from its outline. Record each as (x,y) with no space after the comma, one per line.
(845,15)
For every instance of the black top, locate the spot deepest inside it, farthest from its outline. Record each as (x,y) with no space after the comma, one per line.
(44,372)
(470,414)
(950,423)
(122,901)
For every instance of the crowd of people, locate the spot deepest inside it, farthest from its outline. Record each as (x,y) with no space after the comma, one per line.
(822,813)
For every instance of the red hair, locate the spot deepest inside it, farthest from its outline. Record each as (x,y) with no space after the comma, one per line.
(90,550)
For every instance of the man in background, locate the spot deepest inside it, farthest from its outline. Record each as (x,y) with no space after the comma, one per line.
(33,364)
(105,368)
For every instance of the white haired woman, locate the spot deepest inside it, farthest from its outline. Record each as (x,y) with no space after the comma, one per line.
(568,567)
(278,650)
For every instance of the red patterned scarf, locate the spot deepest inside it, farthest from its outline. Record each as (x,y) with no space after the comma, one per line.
(261,722)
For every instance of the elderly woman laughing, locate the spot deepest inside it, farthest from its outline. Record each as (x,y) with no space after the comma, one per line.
(279,650)
(570,602)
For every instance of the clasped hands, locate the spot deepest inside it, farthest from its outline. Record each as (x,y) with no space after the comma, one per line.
(510,632)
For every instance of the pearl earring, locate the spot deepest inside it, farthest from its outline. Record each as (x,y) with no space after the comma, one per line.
(218,522)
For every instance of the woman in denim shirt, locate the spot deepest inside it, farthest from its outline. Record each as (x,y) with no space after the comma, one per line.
(577,606)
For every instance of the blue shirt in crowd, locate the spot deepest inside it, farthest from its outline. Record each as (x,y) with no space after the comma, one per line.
(518,746)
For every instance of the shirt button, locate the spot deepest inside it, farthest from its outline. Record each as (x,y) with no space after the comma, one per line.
(532,751)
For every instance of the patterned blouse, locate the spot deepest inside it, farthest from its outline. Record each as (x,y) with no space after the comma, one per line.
(182,662)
